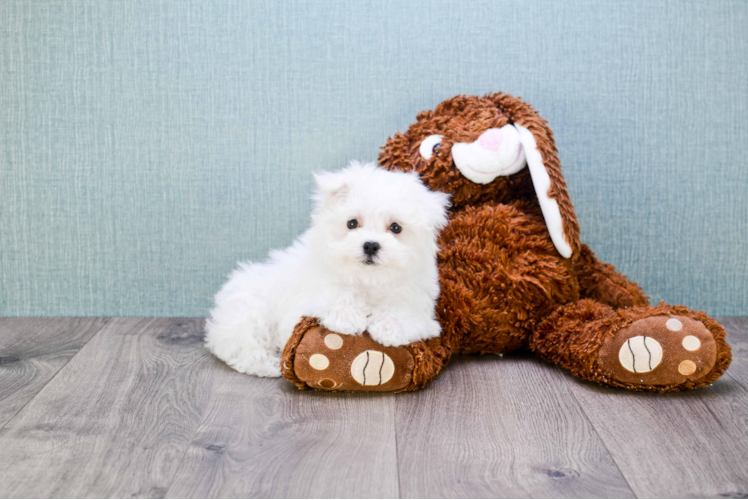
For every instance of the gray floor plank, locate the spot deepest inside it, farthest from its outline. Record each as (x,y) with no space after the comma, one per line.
(501,427)
(116,420)
(265,438)
(689,444)
(32,351)
(737,337)
(143,411)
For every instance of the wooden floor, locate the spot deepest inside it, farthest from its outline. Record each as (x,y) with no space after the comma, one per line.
(127,407)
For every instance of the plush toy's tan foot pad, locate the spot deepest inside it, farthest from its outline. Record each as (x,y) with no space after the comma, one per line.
(324,360)
(660,350)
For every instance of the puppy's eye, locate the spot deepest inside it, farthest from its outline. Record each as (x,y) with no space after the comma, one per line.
(395,227)
(352,224)
(429,146)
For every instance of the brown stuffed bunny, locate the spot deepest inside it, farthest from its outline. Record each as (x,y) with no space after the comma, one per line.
(513,272)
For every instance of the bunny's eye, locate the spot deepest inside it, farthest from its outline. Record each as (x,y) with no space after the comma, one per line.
(395,228)
(430,145)
(352,224)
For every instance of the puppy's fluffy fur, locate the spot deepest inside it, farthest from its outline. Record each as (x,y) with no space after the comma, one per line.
(328,274)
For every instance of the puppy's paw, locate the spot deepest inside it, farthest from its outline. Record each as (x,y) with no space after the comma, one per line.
(430,329)
(346,320)
(393,331)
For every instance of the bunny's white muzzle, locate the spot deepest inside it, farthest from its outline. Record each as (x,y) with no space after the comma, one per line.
(497,152)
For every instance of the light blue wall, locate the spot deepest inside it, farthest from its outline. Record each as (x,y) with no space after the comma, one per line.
(147,146)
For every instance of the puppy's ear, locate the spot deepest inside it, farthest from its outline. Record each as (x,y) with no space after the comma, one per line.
(332,187)
(434,208)
(439,216)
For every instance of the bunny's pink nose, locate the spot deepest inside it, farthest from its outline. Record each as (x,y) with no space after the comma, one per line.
(491,139)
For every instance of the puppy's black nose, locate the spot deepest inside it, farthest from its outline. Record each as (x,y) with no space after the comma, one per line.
(371,248)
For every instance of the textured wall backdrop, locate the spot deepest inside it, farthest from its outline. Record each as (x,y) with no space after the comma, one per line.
(147,146)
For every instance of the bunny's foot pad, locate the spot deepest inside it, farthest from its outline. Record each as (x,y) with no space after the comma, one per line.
(668,351)
(318,358)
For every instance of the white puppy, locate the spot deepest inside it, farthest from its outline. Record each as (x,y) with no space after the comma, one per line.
(367,263)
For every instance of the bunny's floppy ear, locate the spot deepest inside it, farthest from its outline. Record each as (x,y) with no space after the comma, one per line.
(545,169)
(542,182)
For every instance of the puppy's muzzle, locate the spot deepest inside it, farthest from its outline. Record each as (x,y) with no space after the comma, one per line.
(370,250)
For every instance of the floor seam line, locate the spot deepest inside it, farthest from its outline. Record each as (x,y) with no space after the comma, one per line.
(602,441)
(192,438)
(397,449)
